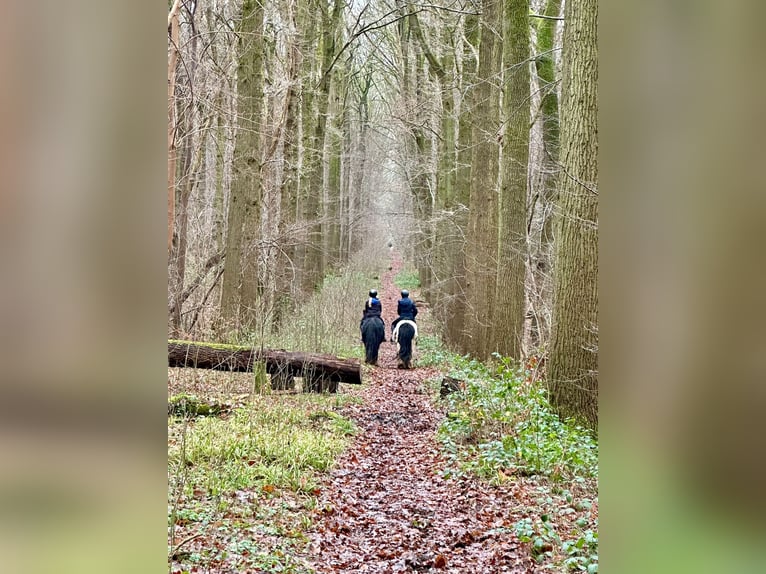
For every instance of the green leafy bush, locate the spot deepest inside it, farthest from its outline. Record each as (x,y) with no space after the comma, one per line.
(578,553)
(503,421)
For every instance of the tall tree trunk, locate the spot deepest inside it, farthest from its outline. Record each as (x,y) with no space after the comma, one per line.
(308,15)
(357,194)
(291,174)
(240,289)
(512,247)
(312,263)
(482,225)
(541,256)
(172,63)
(422,180)
(438,270)
(455,332)
(545,65)
(188,130)
(573,362)
(332,208)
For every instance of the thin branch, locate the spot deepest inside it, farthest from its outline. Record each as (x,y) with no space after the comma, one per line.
(209,264)
(452,10)
(362,32)
(544,17)
(185,540)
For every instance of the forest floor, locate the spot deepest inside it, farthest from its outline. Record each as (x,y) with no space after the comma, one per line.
(385,507)
(354,482)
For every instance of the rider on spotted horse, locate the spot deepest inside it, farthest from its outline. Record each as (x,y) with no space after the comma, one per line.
(406,309)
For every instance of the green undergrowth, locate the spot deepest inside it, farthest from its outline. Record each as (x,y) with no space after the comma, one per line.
(273,440)
(502,420)
(501,427)
(433,353)
(574,551)
(407,279)
(244,482)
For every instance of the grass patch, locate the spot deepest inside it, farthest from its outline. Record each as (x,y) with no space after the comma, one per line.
(267,442)
(407,279)
(242,485)
(190,405)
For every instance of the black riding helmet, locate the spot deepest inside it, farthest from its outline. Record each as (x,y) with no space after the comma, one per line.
(373,292)
(405,293)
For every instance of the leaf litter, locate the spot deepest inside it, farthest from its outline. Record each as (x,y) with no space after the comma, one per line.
(386,508)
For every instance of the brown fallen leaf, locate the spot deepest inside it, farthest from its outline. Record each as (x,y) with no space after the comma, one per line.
(440,561)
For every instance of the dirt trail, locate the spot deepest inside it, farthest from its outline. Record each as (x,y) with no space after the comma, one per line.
(385,508)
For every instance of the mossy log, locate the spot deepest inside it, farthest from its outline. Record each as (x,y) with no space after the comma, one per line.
(322,372)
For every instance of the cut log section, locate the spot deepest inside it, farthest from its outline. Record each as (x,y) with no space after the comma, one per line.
(321,373)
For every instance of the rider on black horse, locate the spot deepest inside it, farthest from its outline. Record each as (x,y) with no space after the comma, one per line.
(372,327)
(372,307)
(406,309)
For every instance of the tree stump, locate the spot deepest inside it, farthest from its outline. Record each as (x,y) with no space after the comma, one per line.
(450,385)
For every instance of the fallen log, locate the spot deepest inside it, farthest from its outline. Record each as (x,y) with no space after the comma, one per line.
(322,372)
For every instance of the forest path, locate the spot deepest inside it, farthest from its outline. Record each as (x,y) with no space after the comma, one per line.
(385,508)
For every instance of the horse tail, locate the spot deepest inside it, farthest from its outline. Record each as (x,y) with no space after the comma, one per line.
(373,333)
(405,336)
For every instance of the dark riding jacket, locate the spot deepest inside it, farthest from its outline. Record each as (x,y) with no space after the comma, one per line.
(406,309)
(372,308)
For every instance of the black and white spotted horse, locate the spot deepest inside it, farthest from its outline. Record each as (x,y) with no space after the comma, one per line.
(405,334)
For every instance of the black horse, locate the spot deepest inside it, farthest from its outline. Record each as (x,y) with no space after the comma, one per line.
(404,335)
(373,334)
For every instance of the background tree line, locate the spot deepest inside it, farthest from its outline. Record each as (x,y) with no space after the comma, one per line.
(305,135)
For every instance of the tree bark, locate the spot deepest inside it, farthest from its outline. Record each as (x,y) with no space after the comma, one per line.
(239,292)
(442,72)
(482,226)
(573,362)
(172,62)
(291,173)
(278,362)
(456,305)
(313,261)
(508,329)
(541,252)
